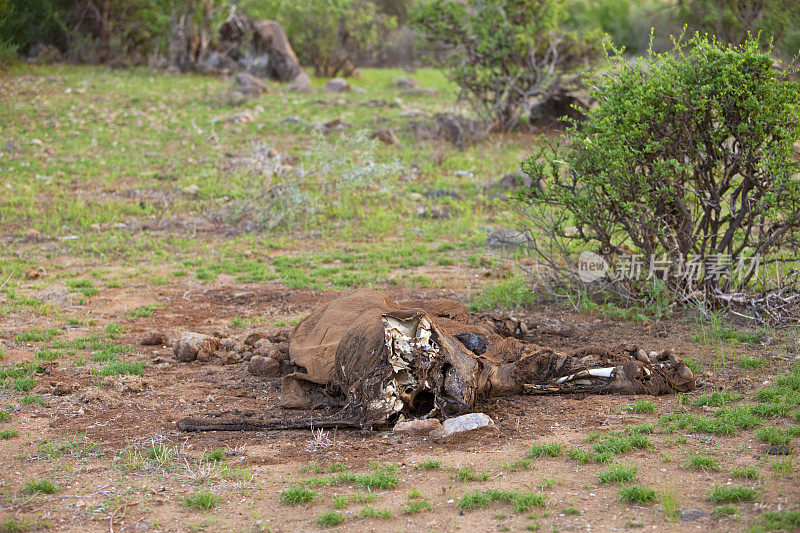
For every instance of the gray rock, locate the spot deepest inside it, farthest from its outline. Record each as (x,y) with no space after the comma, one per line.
(779,449)
(469,425)
(337,85)
(191,346)
(246,83)
(405,83)
(690,515)
(386,136)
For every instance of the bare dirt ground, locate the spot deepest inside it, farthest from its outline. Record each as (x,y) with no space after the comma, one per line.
(94,437)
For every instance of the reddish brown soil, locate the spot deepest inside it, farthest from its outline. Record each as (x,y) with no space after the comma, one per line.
(97,493)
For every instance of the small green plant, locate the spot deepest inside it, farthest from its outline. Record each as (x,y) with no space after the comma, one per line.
(41,486)
(202,500)
(146,311)
(313,466)
(37,335)
(429,464)
(773,435)
(296,495)
(371,512)
(669,503)
(467,473)
(331,518)
(744,472)
(114,330)
(215,455)
(642,406)
(6,434)
(571,511)
(731,494)
(724,510)
(577,454)
(30,399)
(5,416)
(619,473)
(519,464)
(522,502)
(540,450)
(777,520)
(699,460)
(637,494)
(82,286)
(414,494)
(117,368)
(783,467)
(416,506)
(751,363)
(717,398)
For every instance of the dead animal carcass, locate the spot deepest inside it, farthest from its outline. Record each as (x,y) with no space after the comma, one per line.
(381,360)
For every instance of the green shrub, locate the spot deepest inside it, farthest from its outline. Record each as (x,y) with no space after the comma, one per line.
(499,52)
(202,500)
(670,188)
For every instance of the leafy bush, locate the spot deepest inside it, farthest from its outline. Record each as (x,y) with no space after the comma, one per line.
(502,53)
(688,160)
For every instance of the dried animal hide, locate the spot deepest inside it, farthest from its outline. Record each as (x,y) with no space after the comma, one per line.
(378,360)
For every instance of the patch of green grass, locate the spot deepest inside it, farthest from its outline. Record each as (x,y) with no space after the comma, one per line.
(620,442)
(74,446)
(726,421)
(113,330)
(37,335)
(783,466)
(429,464)
(642,406)
(700,461)
(5,416)
(669,503)
(521,501)
(745,472)
(416,506)
(145,311)
(717,399)
(580,455)
(619,473)
(331,518)
(777,520)
(773,435)
(48,355)
(6,434)
(117,368)
(40,486)
(82,286)
(571,511)
(751,363)
(296,495)
(540,450)
(467,473)
(637,494)
(731,494)
(202,500)
(18,525)
(519,464)
(724,510)
(30,399)
(23,384)
(371,512)
(215,455)
(513,293)
(717,332)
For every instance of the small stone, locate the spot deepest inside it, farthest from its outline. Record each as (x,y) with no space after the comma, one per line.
(263,366)
(253,337)
(405,83)
(472,425)
(690,515)
(191,346)
(337,85)
(417,426)
(250,85)
(191,190)
(154,338)
(386,136)
(779,449)
(32,234)
(641,355)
